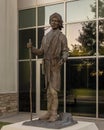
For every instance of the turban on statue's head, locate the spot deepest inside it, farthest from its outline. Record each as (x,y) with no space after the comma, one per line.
(58,16)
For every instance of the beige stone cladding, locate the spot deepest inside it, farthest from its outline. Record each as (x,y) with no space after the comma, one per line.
(8,103)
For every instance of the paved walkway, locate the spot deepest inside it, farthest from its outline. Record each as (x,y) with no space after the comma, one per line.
(99,122)
(26,116)
(17,117)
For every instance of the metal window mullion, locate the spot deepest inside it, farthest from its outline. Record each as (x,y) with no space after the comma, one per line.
(37,67)
(64,87)
(97,39)
(64,63)
(36,27)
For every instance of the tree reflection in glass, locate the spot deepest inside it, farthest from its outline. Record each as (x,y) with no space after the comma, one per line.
(100,8)
(101,37)
(82,38)
(101,87)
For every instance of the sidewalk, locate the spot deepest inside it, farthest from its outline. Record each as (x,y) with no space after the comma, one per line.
(17,117)
(26,116)
(99,122)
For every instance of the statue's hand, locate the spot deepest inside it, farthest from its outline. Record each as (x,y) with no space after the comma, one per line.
(60,62)
(29,45)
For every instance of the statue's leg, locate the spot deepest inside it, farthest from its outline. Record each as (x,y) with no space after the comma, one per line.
(49,101)
(54,104)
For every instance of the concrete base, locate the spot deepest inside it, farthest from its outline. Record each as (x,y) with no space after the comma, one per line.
(79,126)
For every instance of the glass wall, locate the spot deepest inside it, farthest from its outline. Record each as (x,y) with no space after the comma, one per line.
(74,13)
(101,58)
(101,88)
(81,87)
(27,25)
(82,75)
(24,87)
(82,38)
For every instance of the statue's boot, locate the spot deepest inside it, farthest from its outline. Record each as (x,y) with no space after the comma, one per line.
(45,117)
(53,117)
(53,107)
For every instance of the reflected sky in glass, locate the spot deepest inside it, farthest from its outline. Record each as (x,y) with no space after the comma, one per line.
(80,10)
(73,34)
(82,38)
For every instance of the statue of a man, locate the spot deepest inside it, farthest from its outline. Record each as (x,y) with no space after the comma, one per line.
(55,50)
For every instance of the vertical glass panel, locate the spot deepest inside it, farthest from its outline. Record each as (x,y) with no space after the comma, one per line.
(45,12)
(27,18)
(82,38)
(43,93)
(61,93)
(81,87)
(24,36)
(41,32)
(24,87)
(41,15)
(101,37)
(101,8)
(101,87)
(80,10)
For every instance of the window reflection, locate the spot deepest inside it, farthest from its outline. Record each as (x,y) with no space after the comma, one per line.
(27,18)
(61,93)
(24,36)
(101,87)
(85,12)
(41,32)
(41,15)
(45,12)
(101,37)
(43,95)
(82,38)
(81,87)
(101,8)
(24,83)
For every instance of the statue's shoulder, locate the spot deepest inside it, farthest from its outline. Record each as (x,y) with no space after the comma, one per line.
(62,36)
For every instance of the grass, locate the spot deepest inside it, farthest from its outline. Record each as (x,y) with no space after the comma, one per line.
(3,123)
(84,92)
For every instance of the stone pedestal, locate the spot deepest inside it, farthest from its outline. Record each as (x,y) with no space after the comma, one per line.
(79,126)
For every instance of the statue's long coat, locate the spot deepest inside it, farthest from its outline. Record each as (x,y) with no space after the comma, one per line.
(54,48)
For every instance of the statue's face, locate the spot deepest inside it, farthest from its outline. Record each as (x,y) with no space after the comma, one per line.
(54,23)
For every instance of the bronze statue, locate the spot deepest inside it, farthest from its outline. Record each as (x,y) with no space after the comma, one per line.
(55,50)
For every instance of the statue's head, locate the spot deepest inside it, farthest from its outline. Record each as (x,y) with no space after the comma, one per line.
(58,19)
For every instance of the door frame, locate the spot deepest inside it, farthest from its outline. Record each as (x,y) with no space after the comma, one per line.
(38,110)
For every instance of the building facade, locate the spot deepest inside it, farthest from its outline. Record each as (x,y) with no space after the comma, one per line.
(8,57)
(82,76)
